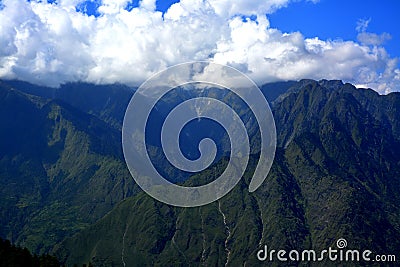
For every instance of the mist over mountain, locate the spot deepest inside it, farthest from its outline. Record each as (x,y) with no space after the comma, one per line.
(66,190)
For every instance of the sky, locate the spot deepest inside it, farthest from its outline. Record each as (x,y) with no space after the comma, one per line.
(124,41)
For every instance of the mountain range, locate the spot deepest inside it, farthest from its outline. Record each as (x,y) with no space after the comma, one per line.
(66,189)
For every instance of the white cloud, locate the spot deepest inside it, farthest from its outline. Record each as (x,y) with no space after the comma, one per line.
(148,4)
(368,38)
(362,24)
(51,44)
(227,8)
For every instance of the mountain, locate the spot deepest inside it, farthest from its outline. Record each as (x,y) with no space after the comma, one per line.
(60,169)
(109,102)
(65,188)
(336,175)
(106,102)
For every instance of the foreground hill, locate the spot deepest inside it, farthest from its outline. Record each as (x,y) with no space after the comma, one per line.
(336,175)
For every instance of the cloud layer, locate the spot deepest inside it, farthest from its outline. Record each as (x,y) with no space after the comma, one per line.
(54,43)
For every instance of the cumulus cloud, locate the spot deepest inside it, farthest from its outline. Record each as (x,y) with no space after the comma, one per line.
(54,43)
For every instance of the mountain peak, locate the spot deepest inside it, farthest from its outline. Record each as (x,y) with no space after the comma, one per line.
(331,84)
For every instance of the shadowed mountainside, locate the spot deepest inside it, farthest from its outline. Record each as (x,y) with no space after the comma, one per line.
(60,169)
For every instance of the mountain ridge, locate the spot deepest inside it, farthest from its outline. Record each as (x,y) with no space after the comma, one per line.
(337,164)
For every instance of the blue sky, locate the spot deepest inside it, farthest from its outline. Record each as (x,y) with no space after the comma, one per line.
(90,7)
(125,41)
(333,19)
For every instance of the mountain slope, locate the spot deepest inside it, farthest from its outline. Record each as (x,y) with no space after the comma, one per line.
(60,169)
(336,175)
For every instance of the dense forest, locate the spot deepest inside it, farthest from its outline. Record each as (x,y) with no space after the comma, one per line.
(15,256)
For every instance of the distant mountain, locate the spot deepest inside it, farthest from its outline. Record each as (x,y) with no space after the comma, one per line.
(106,102)
(336,175)
(109,102)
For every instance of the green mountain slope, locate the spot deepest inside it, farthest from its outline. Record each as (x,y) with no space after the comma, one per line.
(60,169)
(336,175)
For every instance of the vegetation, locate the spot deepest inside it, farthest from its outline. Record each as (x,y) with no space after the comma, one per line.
(13,256)
(336,175)
(60,170)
